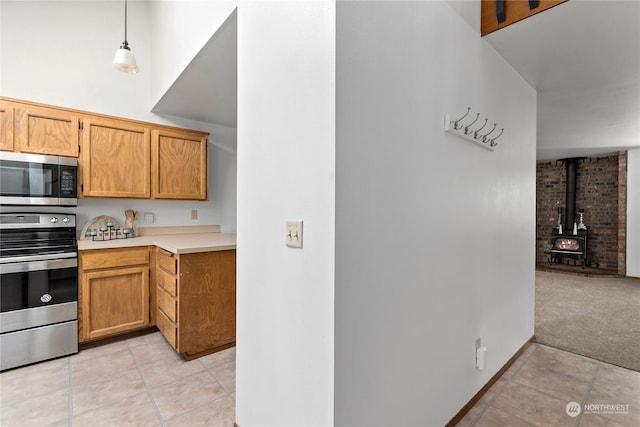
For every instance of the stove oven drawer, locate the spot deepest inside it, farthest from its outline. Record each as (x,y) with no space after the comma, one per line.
(39,316)
(38,344)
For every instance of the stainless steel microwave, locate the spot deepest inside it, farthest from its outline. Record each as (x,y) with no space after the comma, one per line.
(34,179)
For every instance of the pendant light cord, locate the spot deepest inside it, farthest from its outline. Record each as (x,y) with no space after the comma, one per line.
(124,59)
(125,20)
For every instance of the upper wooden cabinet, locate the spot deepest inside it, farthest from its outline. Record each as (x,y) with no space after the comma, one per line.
(46,131)
(178,165)
(6,126)
(115,159)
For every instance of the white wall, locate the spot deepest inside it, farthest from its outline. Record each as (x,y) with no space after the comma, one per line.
(435,236)
(60,53)
(469,10)
(286,143)
(633,213)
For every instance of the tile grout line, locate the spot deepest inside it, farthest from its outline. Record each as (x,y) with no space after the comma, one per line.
(591,382)
(206,368)
(89,361)
(220,382)
(146,386)
(540,391)
(586,396)
(150,394)
(197,407)
(507,381)
(511,380)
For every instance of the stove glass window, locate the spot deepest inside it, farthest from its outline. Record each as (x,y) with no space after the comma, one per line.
(567,244)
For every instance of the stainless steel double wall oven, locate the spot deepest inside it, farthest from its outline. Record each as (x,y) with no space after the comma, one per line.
(38,258)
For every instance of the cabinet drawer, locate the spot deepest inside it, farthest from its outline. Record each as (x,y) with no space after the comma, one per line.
(166,281)
(167,304)
(168,329)
(167,261)
(108,258)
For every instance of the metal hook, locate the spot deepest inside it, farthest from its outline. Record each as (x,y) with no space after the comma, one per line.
(456,122)
(484,137)
(475,134)
(466,128)
(493,140)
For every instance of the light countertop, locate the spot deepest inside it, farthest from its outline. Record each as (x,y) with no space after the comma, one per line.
(176,243)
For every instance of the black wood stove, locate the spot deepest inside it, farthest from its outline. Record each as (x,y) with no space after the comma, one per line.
(568,246)
(569,242)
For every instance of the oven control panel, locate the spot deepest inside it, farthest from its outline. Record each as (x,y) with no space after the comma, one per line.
(34,220)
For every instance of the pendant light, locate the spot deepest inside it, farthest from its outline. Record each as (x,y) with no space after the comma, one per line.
(124,59)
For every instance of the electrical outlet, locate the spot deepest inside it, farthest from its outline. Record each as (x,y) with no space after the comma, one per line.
(294,234)
(149,217)
(481,352)
(194,214)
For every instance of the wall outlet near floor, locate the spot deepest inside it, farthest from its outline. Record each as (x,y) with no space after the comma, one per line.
(294,234)
(194,213)
(481,352)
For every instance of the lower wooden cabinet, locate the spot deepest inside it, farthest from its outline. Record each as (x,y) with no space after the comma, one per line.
(114,292)
(196,300)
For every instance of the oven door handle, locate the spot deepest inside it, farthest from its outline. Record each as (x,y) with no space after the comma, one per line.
(29,258)
(51,264)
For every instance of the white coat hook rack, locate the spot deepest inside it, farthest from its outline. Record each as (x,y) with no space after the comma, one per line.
(471,131)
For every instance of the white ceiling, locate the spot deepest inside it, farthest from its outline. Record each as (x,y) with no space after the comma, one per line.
(583,59)
(207,89)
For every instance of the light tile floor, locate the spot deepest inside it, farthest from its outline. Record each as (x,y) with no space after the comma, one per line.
(140,381)
(537,388)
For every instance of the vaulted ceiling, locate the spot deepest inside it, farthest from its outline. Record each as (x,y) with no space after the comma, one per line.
(207,89)
(583,59)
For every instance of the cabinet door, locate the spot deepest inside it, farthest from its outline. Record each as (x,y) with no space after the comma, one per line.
(6,126)
(115,159)
(114,301)
(46,131)
(179,165)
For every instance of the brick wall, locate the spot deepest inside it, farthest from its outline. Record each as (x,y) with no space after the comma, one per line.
(600,186)
(622,213)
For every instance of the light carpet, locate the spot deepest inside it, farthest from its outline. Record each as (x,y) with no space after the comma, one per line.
(591,316)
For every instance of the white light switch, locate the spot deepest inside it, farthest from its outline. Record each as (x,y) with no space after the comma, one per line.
(294,234)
